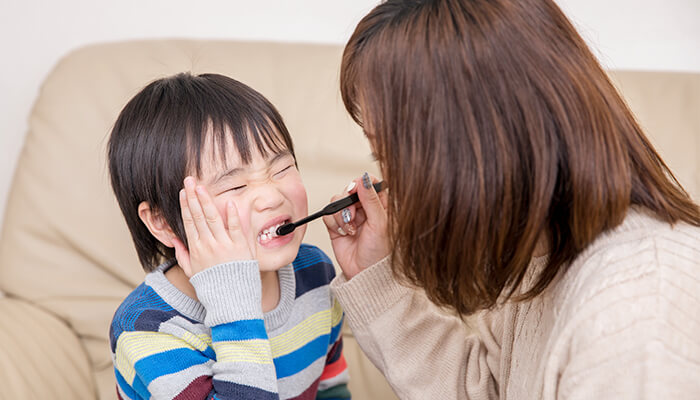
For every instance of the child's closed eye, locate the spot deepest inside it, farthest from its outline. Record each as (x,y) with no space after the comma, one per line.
(284,170)
(234,188)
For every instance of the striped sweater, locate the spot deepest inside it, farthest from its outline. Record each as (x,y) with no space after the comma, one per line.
(166,345)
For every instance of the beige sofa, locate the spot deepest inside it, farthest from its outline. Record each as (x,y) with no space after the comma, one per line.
(66,258)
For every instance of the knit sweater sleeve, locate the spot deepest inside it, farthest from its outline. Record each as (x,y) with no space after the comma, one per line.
(423,353)
(232,296)
(172,363)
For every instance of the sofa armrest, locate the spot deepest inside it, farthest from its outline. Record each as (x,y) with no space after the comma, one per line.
(40,356)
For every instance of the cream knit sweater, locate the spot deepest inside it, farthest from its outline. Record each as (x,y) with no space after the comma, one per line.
(623,322)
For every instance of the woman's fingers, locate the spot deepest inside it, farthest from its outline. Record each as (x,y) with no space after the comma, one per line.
(369,198)
(344,218)
(349,220)
(334,222)
(334,230)
(359,217)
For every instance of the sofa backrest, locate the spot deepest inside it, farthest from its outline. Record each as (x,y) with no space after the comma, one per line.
(64,244)
(667,105)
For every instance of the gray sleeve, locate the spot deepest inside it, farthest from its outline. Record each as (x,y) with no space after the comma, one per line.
(230,292)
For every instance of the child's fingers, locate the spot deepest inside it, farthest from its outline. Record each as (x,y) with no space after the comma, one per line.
(200,221)
(234,223)
(211,214)
(187,222)
(235,232)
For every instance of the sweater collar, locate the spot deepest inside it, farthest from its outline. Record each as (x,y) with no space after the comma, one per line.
(194,310)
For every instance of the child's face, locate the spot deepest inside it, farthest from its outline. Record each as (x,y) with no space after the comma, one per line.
(267,193)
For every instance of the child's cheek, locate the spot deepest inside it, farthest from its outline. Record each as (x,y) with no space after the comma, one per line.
(299,199)
(303,202)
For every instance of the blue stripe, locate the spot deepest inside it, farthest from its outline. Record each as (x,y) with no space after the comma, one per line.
(150,320)
(210,353)
(126,389)
(335,331)
(141,389)
(308,256)
(167,362)
(231,390)
(128,317)
(296,361)
(301,264)
(310,278)
(239,330)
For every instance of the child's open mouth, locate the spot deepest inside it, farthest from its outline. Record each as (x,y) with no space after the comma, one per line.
(269,233)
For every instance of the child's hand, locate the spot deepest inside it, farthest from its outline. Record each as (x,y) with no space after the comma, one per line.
(210,242)
(360,238)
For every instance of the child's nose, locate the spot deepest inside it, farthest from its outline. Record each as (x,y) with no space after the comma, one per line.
(267,196)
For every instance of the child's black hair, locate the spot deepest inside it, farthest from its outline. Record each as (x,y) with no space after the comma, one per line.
(159,137)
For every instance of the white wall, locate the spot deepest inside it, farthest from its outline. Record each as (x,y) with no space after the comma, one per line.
(34,34)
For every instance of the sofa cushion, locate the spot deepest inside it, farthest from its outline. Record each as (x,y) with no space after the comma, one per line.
(40,356)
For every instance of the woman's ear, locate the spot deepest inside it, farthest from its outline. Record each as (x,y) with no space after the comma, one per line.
(156,224)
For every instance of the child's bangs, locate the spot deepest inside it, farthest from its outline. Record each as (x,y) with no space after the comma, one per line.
(243,118)
(255,135)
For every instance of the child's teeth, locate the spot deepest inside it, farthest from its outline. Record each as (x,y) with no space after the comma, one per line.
(269,233)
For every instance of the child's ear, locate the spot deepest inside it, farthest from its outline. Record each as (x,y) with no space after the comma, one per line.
(156,224)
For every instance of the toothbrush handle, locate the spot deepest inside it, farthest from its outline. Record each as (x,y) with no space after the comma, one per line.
(332,208)
(338,205)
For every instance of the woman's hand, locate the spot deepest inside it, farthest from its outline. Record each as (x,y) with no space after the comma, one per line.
(360,239)
(210,242)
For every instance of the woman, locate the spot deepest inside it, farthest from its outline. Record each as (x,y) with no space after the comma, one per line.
(522,190)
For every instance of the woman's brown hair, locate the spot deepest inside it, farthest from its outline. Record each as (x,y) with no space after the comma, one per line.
(496,126)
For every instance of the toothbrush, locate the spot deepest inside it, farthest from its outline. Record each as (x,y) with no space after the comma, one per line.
(332,208)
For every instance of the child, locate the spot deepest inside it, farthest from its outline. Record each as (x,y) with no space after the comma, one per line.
(228,310)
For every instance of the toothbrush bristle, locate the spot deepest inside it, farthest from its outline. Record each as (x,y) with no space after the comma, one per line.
(285,229)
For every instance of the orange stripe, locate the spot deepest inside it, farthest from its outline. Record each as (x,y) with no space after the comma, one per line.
(333,370)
